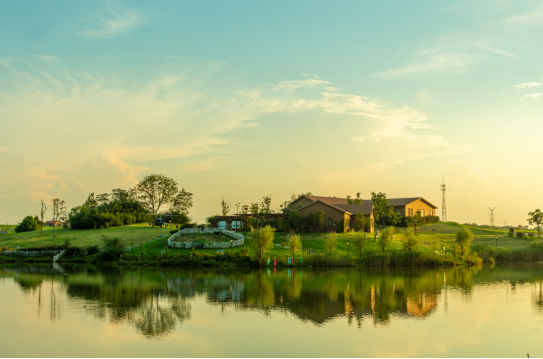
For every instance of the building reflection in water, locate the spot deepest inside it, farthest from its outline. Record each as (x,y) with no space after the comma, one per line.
(154,301)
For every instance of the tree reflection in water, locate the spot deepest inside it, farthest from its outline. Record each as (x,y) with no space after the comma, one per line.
(155,300)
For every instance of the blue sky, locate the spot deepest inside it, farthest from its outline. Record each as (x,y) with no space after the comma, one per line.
(247,99)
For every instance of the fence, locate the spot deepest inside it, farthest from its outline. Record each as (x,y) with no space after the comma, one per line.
(238,238)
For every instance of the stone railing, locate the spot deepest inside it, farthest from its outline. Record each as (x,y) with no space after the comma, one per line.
(238,238)
(58,256)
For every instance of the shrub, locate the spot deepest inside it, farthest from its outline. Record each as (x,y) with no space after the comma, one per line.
(520,235)
(294,242)
(463,239)
(409,241)
(28,224)
(537,245)
(244,251)
(359,242)
(263,240)
(385,237)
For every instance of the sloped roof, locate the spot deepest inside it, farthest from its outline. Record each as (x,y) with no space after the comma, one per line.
(330,200)
(51,222)
(364,208)
(402,202)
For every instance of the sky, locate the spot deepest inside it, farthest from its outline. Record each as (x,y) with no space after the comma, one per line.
(247,99)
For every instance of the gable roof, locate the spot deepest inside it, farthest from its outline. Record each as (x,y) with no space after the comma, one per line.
(51,222)
(366,209)
(402,202)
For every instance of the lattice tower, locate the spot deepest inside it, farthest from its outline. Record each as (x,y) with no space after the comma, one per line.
(443,205)
(492,216)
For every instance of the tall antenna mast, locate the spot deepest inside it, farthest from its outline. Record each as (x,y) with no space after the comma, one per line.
(492,216)
(443,205)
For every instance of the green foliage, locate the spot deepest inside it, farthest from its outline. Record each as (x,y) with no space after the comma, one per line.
(320,217)
(294,242)
(108,215)
(536,218)
(360,222)
(244,251)
(537,245)
(408,221)
(359,241)
(331,242)
(340,226)
(463,240)
(385,237)
(155,190)
(28,224)
(113,249)
(409,241)
(357,200)
(520,235)
(263,240)
(182,202)
(380,205)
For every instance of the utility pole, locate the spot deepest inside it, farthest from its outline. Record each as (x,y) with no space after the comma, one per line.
(491,216)
(443,205)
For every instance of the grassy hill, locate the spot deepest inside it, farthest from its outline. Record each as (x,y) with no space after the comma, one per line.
(430,237)
(80,237)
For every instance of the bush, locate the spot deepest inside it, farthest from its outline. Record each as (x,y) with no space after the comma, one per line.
(404,221)
(109,255)
(263,240)
(28,224)
(385,237)
(537,245)
(463,239)
(113,214)
(409,241)
(331,242)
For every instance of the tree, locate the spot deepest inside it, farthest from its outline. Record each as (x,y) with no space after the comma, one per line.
(463,239)
(28,224)
(385,237)
(225,204)
(320,217)
(121,195)
(359,241)
(357,200)
(254,211)
(102,198)
(331,242)
(380,205)
(409,241)
(536,219)
(263,240)
(42,215)
(393,218)
(294,242)
(360,222)
(155,190)
(91,201)
(415,220)
(56,213)
(182,202)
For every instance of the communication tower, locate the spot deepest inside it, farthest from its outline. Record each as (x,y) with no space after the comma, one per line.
(491,215)
(443,205)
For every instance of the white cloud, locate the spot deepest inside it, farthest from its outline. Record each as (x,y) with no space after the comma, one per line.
(527,85)
(534,95)
(111,21)
(299,84)
(359,139)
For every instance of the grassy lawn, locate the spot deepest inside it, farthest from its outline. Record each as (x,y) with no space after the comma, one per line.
(80,237)
(430,237)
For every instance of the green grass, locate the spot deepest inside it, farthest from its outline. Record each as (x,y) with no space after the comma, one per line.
(430,237)
(80,237)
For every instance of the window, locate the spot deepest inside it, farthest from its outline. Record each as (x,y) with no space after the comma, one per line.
(330,222)
(422,212)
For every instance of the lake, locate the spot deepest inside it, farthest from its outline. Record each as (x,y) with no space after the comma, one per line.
(86,311)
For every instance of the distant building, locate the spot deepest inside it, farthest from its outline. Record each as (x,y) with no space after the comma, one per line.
(54,224)
(335,209)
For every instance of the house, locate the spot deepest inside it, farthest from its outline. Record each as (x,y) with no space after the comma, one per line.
(335,210)
(409,206)
(54,224)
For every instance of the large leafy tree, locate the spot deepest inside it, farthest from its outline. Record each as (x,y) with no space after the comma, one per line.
(27,225)
(380,206)
(182,202)
(155,190)
(536,219)
(121,195)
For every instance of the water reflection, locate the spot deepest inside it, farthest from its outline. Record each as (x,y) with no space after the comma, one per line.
(154,301)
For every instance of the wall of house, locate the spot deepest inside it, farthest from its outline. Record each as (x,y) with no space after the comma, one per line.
(422,206)
(328,213)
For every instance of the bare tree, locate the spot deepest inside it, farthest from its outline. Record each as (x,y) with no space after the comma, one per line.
(225,204)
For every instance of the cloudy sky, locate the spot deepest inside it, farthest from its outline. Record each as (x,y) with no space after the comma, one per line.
(247,99)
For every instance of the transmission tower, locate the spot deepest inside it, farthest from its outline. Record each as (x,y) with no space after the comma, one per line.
(443,205)
(492,216)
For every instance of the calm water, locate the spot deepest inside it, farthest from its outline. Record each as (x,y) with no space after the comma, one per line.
(75,311)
